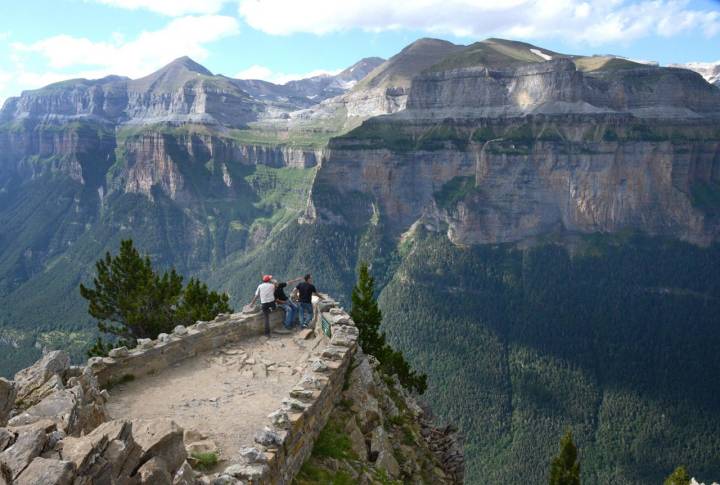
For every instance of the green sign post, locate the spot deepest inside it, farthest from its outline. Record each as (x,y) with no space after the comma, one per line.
(325,327)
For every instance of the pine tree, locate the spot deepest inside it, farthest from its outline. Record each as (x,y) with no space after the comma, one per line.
(366,314)
(368,317)
(131,301)
(679,477)
(565,469)
(199,303)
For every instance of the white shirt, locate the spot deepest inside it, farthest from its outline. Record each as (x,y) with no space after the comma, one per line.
(266,292)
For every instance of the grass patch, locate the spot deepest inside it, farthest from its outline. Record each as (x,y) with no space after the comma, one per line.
(454,190)
(312,474)
(204,461)
(382,476)
(333,442)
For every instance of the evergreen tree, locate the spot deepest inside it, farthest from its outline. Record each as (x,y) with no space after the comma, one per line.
(368,317)
(201,304)
(131,301)
(565,469)
(679,477)
(366,314)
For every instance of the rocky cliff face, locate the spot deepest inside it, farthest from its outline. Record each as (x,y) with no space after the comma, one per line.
(557,86)
(709,70)
(499,181)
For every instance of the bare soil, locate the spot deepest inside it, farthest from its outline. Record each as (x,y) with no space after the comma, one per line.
(225,394)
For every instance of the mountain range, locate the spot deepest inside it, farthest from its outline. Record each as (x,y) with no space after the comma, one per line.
(543,229)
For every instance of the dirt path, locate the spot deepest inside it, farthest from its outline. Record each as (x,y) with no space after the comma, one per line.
(225,394)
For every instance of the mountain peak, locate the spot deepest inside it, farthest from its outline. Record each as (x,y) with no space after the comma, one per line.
(171,76)
(187,64)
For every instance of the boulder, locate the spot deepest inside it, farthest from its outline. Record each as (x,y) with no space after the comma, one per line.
(185,475)
(294,405)
(225,479)
(180,330)
(300,393)
(334,353)
(357,440)
(109,451)
(253,473)
(7,399)
(161,438)
(47,472)
(119,352)
(268,437)
(41,379)
(280,419)
(60,407)
(192,435)
(319,366)
(26,448)
(6,438)
(381,446)
(145,343)
(203,446)
(155,472)
(253,455)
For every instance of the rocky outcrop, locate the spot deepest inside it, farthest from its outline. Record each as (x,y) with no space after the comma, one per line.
(42,379)
(389,436)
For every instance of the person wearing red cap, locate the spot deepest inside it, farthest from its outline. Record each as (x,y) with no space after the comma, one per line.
(266,292)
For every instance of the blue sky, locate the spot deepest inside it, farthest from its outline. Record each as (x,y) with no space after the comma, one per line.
(43,41)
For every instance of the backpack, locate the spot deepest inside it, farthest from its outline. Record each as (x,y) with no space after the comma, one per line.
(295,295)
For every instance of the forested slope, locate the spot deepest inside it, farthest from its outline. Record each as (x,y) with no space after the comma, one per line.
(618,342)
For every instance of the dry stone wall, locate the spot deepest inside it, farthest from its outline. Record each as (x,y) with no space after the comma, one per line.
(151,356)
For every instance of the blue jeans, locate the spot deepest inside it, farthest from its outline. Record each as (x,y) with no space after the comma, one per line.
(290,311)
(306,314)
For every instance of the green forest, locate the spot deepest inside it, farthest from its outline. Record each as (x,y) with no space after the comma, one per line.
(617,342)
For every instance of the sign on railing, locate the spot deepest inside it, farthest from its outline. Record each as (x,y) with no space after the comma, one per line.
(325,327)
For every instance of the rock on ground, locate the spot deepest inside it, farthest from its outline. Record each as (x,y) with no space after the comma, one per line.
(47,472)
(26,448)
(41,379)
(7,399)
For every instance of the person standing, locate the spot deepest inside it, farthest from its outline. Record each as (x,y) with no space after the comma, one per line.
(266,293)
(306,290)
(284,302)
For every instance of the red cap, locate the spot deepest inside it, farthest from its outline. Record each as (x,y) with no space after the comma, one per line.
(267,278)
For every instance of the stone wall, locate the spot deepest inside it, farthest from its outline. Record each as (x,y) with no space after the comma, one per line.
(151,356)
(287,439)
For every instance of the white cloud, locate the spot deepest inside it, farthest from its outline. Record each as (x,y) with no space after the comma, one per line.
(592,21)
(134,58)
(266,74)
(173,8)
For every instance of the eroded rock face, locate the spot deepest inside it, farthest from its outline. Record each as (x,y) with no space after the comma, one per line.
(503,181)
(7,399)
(557,86)
(41,379)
